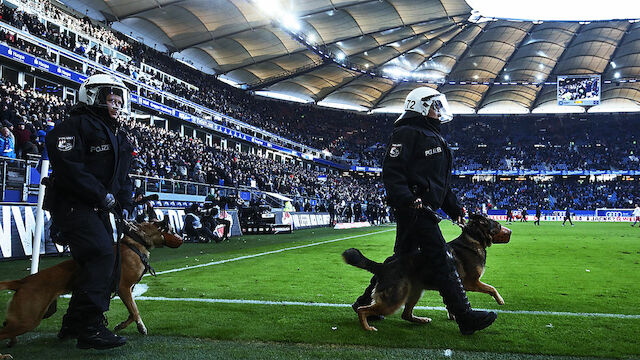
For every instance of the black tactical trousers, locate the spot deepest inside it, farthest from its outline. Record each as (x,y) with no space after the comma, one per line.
(417,231)
(90,239)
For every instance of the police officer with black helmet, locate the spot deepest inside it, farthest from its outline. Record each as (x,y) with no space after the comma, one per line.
(417,175)
(90,157)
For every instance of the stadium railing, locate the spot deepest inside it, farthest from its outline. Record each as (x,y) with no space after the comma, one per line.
(152,184)
(19,184)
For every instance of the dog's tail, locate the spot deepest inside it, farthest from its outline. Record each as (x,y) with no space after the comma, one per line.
(355,258)
(10,285)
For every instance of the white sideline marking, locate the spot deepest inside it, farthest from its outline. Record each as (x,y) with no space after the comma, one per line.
(266,253)
(138,290)
(438,308)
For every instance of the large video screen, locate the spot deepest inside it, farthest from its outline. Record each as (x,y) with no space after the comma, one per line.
(583,90)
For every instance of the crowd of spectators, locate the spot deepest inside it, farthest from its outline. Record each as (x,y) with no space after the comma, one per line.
(344,134)
(26,113)
(480,143)
(575,142)
(166,154)
(531,144)
(559,194)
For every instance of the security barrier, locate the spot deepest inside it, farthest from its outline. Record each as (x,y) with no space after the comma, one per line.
(17,229)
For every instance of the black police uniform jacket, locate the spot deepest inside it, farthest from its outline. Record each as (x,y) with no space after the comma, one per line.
(90,158)
(418,164)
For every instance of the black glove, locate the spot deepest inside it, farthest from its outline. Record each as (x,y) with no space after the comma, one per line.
(109,202)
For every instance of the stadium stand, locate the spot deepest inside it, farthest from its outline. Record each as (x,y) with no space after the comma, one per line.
(166,154)
(482,143)
(306,124)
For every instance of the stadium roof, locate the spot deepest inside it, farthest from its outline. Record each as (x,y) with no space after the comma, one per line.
(326,51)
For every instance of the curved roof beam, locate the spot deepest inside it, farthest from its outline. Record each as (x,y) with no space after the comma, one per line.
(524,103)
(613,88)
(519,90)
(273,81)
(397,12)
(445,43)
(362,85)
(402,39)
(504,64)
(198,18)
(462,99)
(173,44)
(394,57)
(535,103)
(331,43)
(355,94)
(138,12)
(264,83)
(626,98)
(612,43)
(466,50)
(355,21)
(383,96)
(627,31)
(339,7)
(311,92)
(467,89)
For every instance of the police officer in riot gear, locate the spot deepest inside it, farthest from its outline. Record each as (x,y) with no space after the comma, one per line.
(417,174)
(90,158)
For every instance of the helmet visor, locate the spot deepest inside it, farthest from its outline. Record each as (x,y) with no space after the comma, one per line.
(441,106)
(114,97)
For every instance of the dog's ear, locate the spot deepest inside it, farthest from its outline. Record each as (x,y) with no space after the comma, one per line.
(479,227)
(163,225)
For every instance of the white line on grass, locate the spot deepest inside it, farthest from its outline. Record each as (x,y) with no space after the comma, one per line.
(438,308)
(267,253)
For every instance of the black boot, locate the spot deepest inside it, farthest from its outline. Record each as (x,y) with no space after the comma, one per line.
(95,335)
(475,320)
(455,298)
(70,328)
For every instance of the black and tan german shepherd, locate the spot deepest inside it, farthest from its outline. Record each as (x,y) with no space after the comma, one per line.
(403,280)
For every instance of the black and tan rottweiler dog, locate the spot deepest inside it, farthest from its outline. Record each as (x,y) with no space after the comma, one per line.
(403,280)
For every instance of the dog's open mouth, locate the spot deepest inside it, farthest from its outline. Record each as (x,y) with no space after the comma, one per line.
(503,236)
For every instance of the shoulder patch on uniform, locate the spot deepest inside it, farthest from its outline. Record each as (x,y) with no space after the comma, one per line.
(66,143)
(395,150)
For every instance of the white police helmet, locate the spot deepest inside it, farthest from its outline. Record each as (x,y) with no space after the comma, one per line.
(421,99)
(96,88)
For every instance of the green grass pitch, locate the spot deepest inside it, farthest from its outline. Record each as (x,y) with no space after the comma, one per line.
(552,278)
